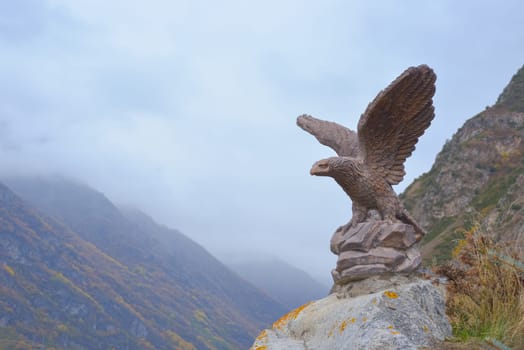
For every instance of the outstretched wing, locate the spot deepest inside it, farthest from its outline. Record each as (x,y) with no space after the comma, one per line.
(341,139)
(391,125)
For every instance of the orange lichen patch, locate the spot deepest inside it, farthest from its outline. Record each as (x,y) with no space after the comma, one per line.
(425,328)
(281,322)
(364,319)
(391,294)
(345,323)
(395,332)
(342,326)
(390,327)
(262,335)
(374,301)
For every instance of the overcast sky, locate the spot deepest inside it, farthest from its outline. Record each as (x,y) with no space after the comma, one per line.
(187,109)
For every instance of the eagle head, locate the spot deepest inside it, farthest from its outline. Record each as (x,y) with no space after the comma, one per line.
(333,166)
(324,167)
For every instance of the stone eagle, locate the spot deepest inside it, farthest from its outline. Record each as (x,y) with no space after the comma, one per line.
(371,160)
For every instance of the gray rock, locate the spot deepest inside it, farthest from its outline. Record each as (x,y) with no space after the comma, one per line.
(402,316)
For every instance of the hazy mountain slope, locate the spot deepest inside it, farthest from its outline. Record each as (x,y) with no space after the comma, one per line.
(286,284)
(175,291)
(58,290)
(191,258)
(477,177)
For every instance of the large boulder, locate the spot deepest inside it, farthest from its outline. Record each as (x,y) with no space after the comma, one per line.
(396,312)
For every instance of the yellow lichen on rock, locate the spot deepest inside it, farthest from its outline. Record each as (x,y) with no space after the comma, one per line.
(262,337)
(263,334)
(281,322)
(345,323)
(391,294)
(342,326)
(392,331)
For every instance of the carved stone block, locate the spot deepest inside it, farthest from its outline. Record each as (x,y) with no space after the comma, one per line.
(358,272)
(361,237)
(386,256)
(374,248)
(411,263)
(397,235)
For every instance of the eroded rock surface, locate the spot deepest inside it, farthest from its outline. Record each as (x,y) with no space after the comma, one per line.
(407,313)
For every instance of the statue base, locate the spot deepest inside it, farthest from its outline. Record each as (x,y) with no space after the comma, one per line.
(374,248)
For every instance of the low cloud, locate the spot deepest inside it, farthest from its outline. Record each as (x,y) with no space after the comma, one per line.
(187,109)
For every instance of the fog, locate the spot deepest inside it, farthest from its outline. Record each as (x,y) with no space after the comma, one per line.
(186,109)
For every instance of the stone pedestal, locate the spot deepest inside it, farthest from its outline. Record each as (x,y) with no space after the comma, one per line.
(374,248)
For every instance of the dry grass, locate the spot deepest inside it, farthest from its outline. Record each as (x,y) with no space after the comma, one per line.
(485,294)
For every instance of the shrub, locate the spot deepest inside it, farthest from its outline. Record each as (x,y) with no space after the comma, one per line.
(485,293)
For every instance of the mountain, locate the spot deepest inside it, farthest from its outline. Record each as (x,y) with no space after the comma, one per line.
(477,178)
(78,273)
(286,284)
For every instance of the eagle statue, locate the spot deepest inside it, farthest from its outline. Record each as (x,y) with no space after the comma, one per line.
(371,160)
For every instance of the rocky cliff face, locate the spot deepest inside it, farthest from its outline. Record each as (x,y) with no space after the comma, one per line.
(478,177)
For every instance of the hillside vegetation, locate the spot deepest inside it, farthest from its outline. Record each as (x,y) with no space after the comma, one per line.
(78,273)
(485,299)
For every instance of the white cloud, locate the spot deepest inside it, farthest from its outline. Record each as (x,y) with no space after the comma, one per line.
(187,108)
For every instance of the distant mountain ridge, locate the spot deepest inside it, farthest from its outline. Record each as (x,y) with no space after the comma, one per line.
(86,275)
(478,177)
